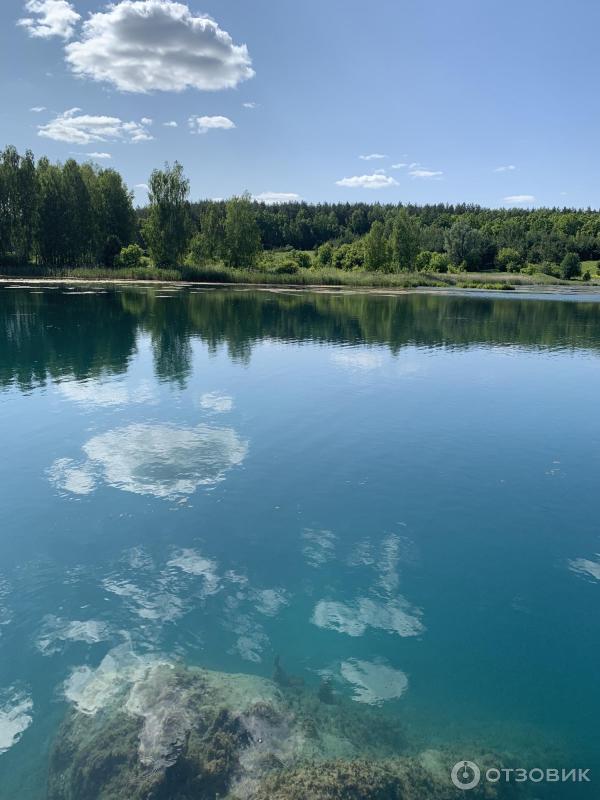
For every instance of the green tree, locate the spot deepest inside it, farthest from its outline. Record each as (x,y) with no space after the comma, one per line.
(242,234)
(167,228)
(376,249)
(404,240)
(212,226)
(509,260)
(570,266)
(464,244)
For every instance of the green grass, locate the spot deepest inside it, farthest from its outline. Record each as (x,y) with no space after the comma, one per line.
(303,277)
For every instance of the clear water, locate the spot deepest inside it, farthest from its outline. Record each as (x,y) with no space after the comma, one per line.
(369,486)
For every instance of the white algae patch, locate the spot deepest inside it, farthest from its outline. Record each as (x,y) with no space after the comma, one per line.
(219,403)
(373,683)
(56,630)
(15,717)
(319,546)
(193,563)
(395,616)
(165,461)
(586,567)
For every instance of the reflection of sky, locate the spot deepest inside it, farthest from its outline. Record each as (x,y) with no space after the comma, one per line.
(165,460)
(297,525)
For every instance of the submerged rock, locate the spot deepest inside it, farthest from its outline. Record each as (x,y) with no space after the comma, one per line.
(145,729)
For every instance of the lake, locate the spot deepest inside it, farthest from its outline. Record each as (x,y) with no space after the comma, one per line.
(398,494)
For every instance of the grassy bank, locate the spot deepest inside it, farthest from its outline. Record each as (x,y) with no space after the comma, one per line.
(303,277)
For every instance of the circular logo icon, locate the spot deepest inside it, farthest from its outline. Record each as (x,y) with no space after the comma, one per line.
(465,775)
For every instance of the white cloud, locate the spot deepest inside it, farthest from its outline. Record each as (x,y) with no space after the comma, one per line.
(217,402)
(354,618)
(506,168)
(586,567)
(15,717)
(165,461)
(38,109)
(399,166)
(76,128)
(519,198)
(170,124)
(378,180)
(373,682)
(95,156)
(373,157)
(146,121)
(146,45)
(358,359)
(250,105)
(205,124)
(272,198)
(50,18)
(143,186)
(425,173)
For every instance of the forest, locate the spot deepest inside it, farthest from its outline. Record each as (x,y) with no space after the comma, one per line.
(56,216)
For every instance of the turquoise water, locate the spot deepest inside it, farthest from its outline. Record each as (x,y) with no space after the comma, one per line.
(400,492)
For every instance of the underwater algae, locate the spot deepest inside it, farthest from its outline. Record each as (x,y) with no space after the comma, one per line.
(146,729)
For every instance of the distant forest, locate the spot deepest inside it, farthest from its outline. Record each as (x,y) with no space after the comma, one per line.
(81,215)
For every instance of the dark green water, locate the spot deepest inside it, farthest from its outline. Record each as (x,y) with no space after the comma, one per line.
(401,492)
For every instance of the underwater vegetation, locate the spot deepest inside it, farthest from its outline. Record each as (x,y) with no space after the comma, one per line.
(147,729)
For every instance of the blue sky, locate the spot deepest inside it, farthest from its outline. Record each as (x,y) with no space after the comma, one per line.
(480,100)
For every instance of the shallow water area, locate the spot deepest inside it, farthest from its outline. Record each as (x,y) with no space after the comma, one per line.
(392,497)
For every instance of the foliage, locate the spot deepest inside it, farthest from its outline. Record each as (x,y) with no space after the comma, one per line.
(570,266)
(404,241)
(167,227)
(509,260)
(75,215)
(130,257)
(241,233)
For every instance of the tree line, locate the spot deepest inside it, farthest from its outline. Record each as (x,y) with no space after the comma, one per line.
(71,214)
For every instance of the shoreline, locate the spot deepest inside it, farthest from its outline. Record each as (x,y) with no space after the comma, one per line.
(592,290)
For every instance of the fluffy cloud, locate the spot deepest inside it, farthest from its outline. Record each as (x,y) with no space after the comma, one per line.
(38,109)
(506,168)
(165,461)
(273,198)
(250,105)
(399,166)
(517,199)
(205,124)
(373,157)
(100,156)
(378,180)
(425,173)
(171,124)
(146,45)
(76,128)
(50,18)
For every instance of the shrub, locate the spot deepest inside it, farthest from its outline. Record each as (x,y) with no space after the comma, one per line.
(303,260)
(439,262)
(130,257)
(509,260)
(287,267)
(325,254)
(423,260)
(570,266)
(586,275)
